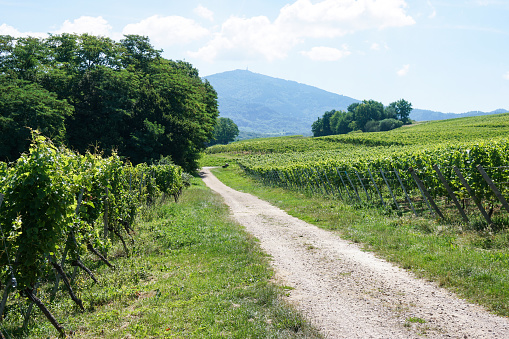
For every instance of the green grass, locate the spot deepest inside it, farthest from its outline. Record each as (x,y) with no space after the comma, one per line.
(471,263)
(193,273)
(215,160)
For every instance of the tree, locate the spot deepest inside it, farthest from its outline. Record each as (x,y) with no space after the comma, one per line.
(322,127)
(124,95)
(25,106)
(366,111)
(403,109)
(365,116)
(225,131)
(340,122)
(390,112)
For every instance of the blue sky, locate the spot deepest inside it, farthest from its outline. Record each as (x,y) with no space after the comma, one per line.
(443,55)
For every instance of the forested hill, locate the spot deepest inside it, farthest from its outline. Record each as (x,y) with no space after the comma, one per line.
(263,104)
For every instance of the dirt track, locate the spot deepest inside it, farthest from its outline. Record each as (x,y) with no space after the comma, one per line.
(348,293)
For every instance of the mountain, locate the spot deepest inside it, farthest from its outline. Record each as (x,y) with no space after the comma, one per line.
(265,106)
(426,115)
(262,104)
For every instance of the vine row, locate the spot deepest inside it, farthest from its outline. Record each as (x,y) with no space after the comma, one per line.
(56,205)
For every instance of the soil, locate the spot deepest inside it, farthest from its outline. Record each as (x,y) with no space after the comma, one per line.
(348,293)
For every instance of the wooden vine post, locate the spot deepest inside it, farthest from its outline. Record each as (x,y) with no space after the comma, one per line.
(425,192)
(404,191)
(346,187)
(472,194)
(376,187)
(321,181)
(45,311)
(494,188)
(390,190)
(353,186)
(451,193)
(105,214)
(368,198)
(335,186)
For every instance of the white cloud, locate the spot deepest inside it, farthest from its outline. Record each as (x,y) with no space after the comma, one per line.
(204,12)
(403,71)
(167,30)
(86,24)
(300,21)
(247,38)
(326,53)
(506,76)
(9,30)
(333,18)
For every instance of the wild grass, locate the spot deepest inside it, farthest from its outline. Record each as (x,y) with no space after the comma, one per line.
(471,262)
(192,273)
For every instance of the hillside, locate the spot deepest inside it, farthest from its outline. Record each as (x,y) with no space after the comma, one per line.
(260,104)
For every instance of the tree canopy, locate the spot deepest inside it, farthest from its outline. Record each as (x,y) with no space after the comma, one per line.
(365,116)
(91,92)
(224,132)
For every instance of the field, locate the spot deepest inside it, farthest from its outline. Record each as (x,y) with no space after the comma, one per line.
(325,181)
(374,167)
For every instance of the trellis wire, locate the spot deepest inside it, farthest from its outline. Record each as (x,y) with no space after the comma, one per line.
(413,187)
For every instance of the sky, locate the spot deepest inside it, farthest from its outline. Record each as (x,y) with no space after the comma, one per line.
(441,55)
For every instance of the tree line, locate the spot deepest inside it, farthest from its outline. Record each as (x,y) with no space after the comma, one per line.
(89,92)
(365,116)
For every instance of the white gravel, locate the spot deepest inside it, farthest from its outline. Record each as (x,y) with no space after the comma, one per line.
(348,293)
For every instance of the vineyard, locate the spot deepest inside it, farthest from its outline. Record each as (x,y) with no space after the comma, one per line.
(57,205)
(456,170)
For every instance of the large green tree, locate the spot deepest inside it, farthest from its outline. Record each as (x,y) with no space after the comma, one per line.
(402,109)
(124,95)
(225,131)
(366,111)
(322,126)
(25,106)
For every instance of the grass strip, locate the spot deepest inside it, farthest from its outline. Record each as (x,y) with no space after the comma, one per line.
(193,273)
(472,263)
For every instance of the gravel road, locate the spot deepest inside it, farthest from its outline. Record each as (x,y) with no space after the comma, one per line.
(348,293)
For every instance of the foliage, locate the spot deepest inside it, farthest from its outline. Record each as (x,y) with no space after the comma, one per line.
(39,217)
(37,210)
(403,109)
(87,92)
(390,124)
(225,131)
(24,106)
(366,116)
